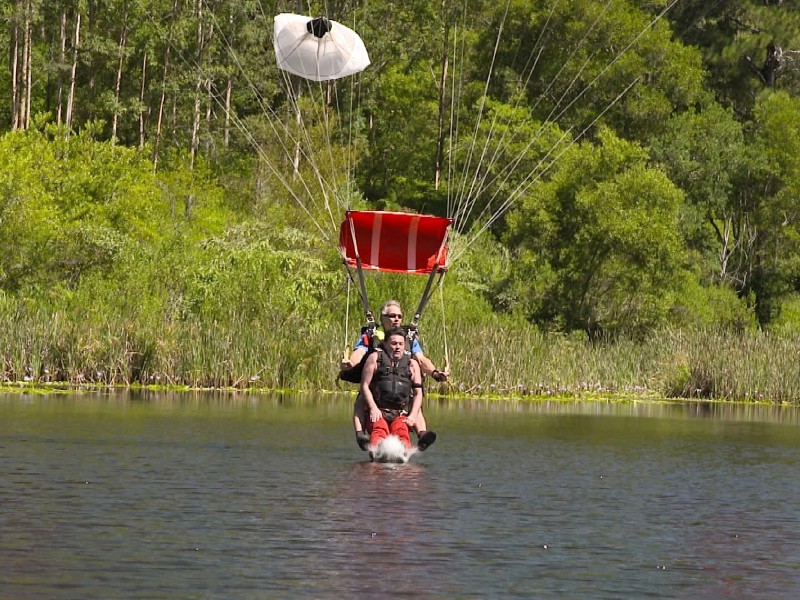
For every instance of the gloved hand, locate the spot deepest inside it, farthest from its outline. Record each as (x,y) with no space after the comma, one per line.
(440,376)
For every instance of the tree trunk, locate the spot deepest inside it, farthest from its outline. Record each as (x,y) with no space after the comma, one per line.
(195,139)
(142,109)
(91,88)
(228,94)
(20,68)
(14,64)
(71,97)
(118,81)
(162,101)
(62,60)
(772,64)
(25,104)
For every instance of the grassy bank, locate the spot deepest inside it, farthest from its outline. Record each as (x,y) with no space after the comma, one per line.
(39,346)
(712,364)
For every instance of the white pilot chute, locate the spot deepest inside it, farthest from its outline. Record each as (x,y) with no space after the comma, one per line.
(318,49)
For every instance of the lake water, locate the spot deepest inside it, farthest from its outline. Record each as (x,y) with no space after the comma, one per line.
(263,496)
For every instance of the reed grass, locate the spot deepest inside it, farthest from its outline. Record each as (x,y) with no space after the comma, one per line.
(40,345)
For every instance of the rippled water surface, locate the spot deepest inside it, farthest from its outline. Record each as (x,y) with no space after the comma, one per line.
(269,497)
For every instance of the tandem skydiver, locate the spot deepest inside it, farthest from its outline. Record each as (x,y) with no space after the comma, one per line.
(391,386)
(391,317)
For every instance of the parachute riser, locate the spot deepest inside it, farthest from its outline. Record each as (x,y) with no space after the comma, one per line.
(362,293)
(362,284)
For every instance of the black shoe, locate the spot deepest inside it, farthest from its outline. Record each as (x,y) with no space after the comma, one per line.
(426,438)
(362,439)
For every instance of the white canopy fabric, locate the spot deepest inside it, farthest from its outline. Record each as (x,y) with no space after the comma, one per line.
(317,49)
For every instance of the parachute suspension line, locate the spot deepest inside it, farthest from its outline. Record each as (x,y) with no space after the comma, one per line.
(444,328)
(321,161)
(192,64)
(514,194)
(525,185)
(362,283)
(286,184)
(616,59)
(506,172)
(326,89)
(472,198)
(265,108)
(459,215)
(453,124)
(502,145)
(346,345)
(479,182)
(455,100)
(536,174)
(426,294)
(528,182)
(272,118)
(343,203)
(303,138)
(328,93)
(352,148)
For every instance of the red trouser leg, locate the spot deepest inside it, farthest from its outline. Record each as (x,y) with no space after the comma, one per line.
(379,431)
(399,427)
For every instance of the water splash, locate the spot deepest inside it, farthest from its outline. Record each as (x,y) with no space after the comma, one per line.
(391,450)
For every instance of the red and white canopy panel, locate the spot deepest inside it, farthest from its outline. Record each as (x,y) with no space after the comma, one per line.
(396,242)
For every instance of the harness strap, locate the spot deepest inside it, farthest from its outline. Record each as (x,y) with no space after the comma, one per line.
(392,414)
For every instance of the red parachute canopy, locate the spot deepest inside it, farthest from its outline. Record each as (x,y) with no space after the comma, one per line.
(394,241)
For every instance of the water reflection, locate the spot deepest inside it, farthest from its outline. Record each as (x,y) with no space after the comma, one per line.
(607,406)
(774,413)
(369,525)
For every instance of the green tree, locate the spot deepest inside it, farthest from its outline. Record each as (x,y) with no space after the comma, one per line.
(71,206)
(776,206)
(741,188)
(705,154)
(575,60)
(597,245)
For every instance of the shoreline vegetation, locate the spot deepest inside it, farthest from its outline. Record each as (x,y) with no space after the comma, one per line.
(707,365)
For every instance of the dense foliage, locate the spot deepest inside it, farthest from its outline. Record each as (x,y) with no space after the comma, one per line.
(169,198)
